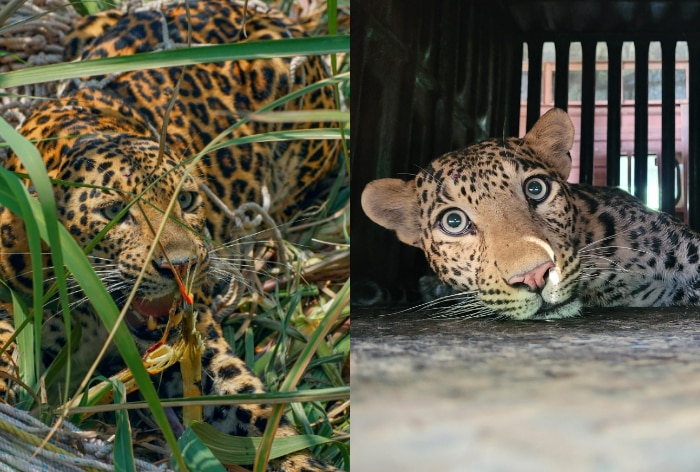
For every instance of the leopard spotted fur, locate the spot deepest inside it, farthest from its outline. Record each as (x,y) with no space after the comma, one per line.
(500,224)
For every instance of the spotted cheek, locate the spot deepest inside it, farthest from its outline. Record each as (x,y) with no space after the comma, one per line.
(195,221)
(203,260)
(455,263)
(131,261)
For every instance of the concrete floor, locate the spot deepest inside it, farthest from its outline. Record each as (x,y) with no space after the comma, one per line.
(613,390)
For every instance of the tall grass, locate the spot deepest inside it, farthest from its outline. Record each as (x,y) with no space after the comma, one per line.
(294,336)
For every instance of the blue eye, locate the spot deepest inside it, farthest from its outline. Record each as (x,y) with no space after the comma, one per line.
(537,188)
(454,222)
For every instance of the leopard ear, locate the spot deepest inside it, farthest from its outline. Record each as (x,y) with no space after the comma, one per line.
(392,203)
(552,137)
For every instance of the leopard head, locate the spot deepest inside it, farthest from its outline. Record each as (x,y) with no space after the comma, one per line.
(495,221)
(119,179)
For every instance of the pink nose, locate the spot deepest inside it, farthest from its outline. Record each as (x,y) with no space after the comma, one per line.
(534,279)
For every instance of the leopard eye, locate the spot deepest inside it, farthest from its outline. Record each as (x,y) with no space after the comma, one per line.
(187,200)
(112,211)
(537,188)
(454,222)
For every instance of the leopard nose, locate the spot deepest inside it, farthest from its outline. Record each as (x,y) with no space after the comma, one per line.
(182,267)
(535,279)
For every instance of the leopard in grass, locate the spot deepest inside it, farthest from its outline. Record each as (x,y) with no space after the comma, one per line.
(107,134)
(500,225)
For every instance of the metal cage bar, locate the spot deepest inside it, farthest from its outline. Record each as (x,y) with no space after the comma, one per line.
(587,111)
(641,117)
(614,112)
(534,81)
(668,126)
(561,75)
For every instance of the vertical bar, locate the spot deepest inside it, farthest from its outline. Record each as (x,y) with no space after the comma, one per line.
(498,77)
(512,105)
(641,117)
(668,126)
(561,77)
(614,111)
(694,138)
(534,82)
(587,111)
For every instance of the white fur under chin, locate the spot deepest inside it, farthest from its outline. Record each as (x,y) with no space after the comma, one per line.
(568,310)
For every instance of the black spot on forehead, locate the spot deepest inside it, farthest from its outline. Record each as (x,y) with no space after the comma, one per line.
(485,159)
(120,161)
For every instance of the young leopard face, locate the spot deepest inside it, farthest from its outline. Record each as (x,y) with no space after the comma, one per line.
(499,223)
(493,220)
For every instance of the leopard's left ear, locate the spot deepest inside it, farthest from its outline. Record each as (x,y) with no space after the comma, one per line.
(552,137)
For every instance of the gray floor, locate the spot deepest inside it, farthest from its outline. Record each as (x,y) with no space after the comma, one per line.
(614,390)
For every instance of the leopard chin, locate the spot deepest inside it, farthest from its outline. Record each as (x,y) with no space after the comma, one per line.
(567,309)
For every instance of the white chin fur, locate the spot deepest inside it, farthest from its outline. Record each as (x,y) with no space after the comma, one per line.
(566,310)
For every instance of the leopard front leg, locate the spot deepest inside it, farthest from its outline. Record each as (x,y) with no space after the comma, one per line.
(224,373)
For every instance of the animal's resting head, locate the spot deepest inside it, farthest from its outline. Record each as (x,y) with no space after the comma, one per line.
(494,220)
(108,172)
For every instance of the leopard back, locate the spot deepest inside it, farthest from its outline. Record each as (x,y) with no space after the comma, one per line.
(212,97)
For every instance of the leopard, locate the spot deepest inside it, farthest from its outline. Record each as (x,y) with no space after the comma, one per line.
(511,238)
(117,149)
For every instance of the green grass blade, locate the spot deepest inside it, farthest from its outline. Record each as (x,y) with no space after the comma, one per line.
(123,449)
(241,450)
(28,342)
(88,7)
(318,394)
(29,358)
(32,161)
(301,116)
(177,57)
(197,454)
(288,135)
(332,8)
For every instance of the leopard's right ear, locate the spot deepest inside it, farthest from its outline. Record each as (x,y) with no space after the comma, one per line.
(393,204)
(552,137)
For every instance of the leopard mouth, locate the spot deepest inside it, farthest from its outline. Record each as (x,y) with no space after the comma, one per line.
(148,317)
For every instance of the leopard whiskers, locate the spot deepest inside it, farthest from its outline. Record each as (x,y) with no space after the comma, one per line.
(589,263)
(119,287)
(597,260)
(455,306)
(608,248)
(466,311)
(590,246)
(236,258)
